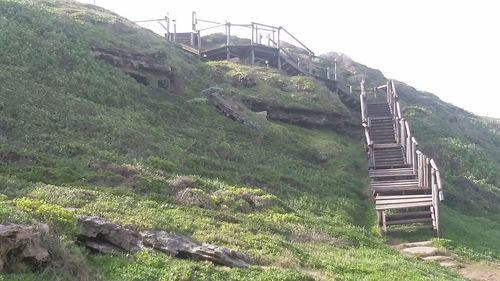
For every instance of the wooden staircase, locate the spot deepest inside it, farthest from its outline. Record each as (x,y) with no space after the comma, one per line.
(405,183)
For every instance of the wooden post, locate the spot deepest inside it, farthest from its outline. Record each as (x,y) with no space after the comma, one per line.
(401,131)
(279,59)
(193,21)
(228,33)
(252,52)
(310,65)
(419,170)
(414,149)
(388,95)
(175,30)
(279,38)
(199,44)
(335,70)
(350,89)
(328,72)
(408,141)
(274,30)
(253,34)
(428,172)
(228,40)
(257,34)
(167,19)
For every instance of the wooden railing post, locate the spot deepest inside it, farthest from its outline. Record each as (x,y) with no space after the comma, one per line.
(414,154)
(199,44)
(335,70)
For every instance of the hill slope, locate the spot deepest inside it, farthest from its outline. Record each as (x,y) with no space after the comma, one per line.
(99,117)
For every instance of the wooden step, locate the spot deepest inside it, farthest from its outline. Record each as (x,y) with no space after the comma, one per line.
(408,215)
(381,120)
(390,166)
(409,221)
(388,150)
(382,140)
(403,200)
(382,207)
(405,228)
(378,114)
(388,159)
(386,146)
(388,154)
(384,188)
(401,197)
(395,182)
(381,128)
(385,153)
(383,134)
(391,172)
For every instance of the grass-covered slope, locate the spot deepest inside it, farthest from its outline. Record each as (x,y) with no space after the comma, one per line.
(80,136)
(467,148)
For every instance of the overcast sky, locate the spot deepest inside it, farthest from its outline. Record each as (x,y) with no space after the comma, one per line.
(449,48)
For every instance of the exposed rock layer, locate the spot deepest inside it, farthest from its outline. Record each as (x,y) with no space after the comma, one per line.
(105,237)
(20,244)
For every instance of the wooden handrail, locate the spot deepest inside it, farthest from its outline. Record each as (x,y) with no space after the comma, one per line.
(298,41)
(266,25)
(212,27)
(367,134)
(424,167)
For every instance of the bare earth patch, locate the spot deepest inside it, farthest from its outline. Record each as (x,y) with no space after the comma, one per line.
(482,271)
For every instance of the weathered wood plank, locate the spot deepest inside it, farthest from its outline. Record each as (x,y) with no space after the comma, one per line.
(409,221)
(402,201)
(403,196)
(402,206)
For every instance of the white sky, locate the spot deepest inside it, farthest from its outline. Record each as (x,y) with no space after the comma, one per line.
(449,48)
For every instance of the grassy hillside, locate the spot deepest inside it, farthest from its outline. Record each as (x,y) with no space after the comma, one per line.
(81,136)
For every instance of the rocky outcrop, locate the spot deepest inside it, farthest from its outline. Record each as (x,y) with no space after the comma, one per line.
(183,247)
(229,104)
(253,111)
(308,118)
(105,237)
(20,244)
(145,69)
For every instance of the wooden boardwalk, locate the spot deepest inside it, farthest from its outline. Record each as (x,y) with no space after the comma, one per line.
(406,184)
(267,45)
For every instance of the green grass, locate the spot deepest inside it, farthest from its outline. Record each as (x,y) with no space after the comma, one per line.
(80,137)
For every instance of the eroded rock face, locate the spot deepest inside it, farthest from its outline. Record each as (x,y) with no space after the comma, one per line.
(20,244)
(253,111)
(229,104)
(98,234)
(145,69)
(105,237)
(297,116)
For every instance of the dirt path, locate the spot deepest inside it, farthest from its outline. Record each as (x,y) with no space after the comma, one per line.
(481,271)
